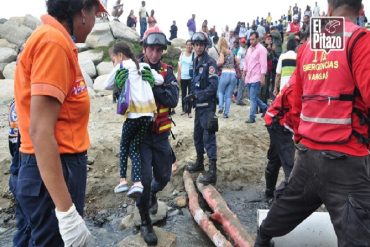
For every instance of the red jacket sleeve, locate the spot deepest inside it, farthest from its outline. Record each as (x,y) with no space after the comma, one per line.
(296,97)
(361,67)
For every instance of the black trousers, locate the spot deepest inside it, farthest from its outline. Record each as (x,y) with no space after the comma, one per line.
(340,182)
(280,154)
(185,90)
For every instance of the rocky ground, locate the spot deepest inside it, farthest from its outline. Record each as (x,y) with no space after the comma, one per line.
(241,160)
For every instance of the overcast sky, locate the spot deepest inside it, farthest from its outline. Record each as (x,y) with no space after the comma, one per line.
(218,13)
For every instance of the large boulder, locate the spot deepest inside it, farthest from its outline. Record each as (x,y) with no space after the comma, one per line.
(87,79)
(99,83)
(3,20)
(93,55)
(2,66)
(14,33)
(7,55)
(9,70)
(5,43)
(178,42)
(27,20)
(101,35)
(6,90)
(104,68)
(121,31)
(165,239)
(88,66)
(81,47)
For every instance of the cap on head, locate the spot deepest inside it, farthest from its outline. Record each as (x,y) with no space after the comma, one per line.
(295,17)
(243,41)
(155,39)
(199,38)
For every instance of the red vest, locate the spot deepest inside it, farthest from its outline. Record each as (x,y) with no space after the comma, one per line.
(294,28)
(279,109)
(163,121)
(328,98)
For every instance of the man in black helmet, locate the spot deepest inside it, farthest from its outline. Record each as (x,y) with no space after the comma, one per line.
(156,152)
(203,96)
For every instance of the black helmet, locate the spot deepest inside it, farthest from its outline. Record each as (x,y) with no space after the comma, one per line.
(156,38)
(199,38)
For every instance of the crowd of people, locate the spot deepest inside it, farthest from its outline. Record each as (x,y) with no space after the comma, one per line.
(326,119)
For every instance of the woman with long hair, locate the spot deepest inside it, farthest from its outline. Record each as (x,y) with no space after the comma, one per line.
(227,62)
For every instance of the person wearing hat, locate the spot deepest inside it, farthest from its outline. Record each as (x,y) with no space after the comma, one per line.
(294,26)
(53,109)
(156,153)
(203,97)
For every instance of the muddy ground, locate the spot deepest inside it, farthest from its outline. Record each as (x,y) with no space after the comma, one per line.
(241,160)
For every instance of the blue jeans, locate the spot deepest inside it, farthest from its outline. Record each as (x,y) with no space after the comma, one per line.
(143,24)
(254,89)
(225,90)
(241,88)
(36,203)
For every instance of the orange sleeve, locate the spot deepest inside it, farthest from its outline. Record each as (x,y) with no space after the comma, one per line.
(51,72)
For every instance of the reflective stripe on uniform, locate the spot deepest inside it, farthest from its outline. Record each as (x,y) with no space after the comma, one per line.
(326,120)
(202,104)
(270,114)
(164,127)
(163,110)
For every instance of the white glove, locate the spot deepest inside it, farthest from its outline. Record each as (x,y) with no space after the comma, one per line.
(73,229)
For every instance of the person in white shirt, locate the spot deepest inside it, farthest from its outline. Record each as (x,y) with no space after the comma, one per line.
(316,10)
(286,66)
(241,56)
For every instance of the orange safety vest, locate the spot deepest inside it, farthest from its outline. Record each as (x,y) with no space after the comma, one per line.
(163,121)
(278,111)
(329,96)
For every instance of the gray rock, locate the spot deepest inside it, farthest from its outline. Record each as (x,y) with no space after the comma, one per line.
(88,66)
(104,68)
(99,83)
(27,20)
(7,55)
(2,66)
(6,90)
(101,35)
(121,31)
(3,20)
(178,42)
(92,95)
(9,70)
(94,55)
(133,219)
(87,79)
(14,32)
(165,239)
(5,43)
(81,47)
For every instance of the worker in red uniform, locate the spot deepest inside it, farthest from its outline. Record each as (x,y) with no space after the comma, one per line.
(331,103)
(281,151)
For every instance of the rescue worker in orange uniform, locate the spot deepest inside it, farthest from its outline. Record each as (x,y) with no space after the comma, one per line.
(330,109)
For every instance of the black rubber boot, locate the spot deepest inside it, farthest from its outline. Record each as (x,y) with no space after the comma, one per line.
(270,183)
(153,203)
(146,229)
(211,176)
(263,240)
(198,166)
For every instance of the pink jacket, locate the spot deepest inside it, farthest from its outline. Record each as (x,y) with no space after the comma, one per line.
(255,63)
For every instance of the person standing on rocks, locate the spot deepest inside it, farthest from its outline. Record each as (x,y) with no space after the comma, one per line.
(143,14)
(203,97)
(53,110)
(331,131)
(156,152)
